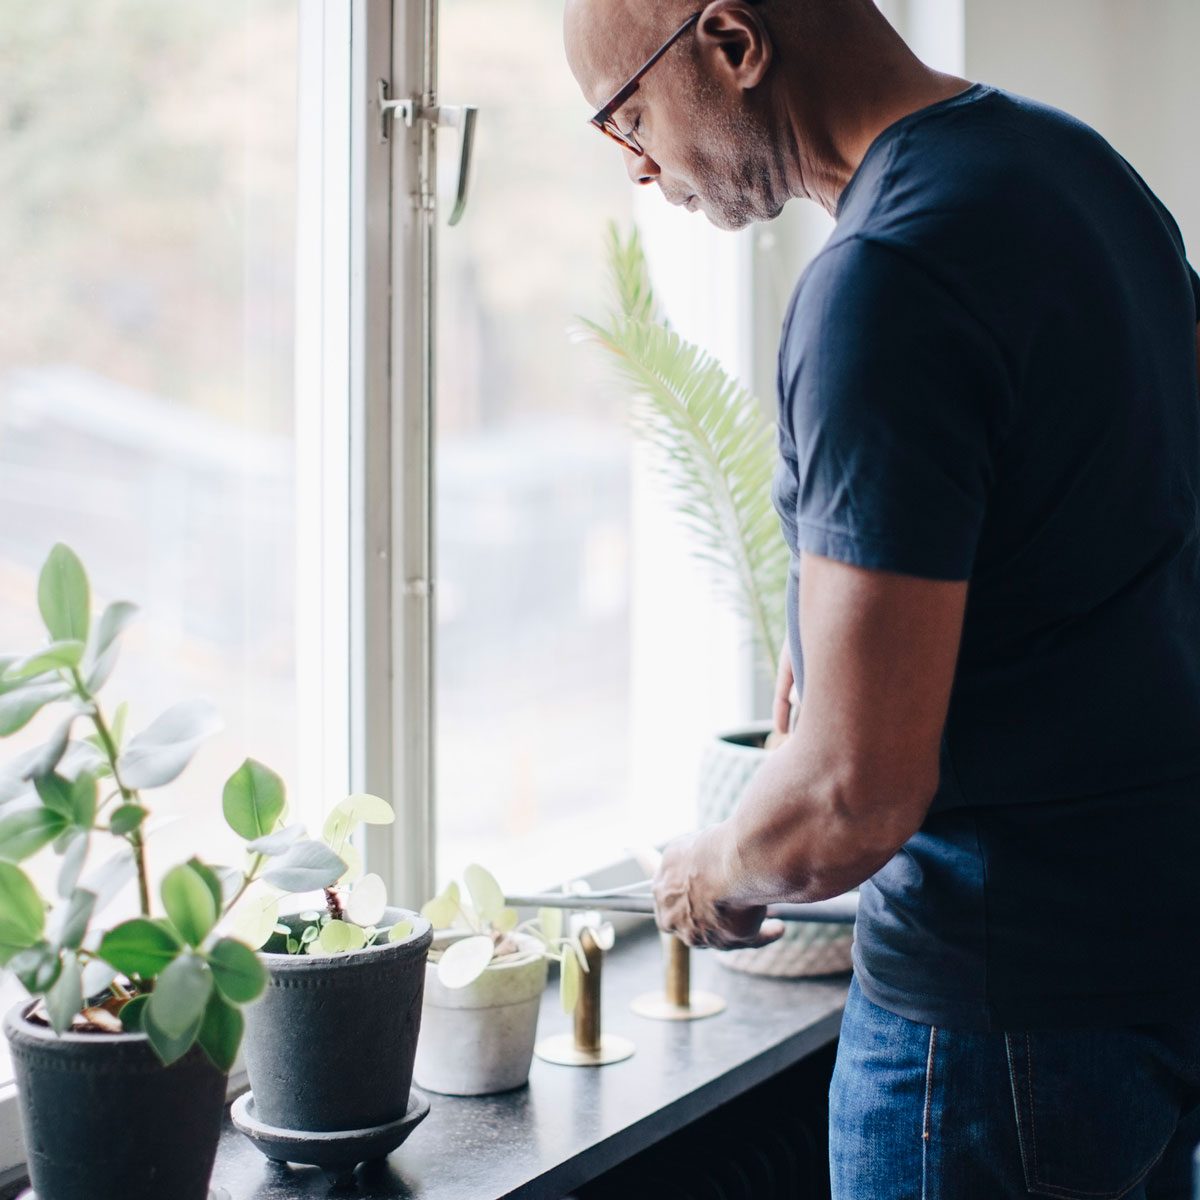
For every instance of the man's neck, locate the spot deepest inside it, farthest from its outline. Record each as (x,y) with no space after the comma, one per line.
(831,122)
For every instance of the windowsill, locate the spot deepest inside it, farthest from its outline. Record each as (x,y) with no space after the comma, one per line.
(570,1125)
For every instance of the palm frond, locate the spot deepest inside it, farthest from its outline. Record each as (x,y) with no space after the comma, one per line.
(715,447)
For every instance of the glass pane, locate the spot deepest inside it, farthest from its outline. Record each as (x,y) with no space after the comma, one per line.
(533,467)
(147,200)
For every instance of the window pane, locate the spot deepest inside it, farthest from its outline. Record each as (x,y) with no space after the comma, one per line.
(147,199)
(533,468)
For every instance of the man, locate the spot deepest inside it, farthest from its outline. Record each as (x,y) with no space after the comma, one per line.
(990,470)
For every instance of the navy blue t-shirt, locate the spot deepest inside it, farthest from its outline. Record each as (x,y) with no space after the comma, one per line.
(989,374)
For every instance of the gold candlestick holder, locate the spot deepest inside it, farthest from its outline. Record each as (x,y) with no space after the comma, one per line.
(588,1045)
(677,1001)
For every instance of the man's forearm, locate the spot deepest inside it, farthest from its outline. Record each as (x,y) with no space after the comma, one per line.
(806,830)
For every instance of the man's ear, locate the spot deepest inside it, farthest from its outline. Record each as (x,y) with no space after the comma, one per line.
(734,40)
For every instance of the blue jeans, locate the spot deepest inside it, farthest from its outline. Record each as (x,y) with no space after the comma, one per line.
(921,1113)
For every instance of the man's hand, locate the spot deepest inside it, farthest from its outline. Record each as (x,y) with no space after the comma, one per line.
(689,891)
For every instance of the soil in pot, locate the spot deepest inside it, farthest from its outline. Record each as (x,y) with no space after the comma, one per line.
(105,1120)
(479,1039)
(330,1044)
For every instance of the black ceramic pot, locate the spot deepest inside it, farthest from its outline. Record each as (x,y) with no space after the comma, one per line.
(105,1120)
(330,1045)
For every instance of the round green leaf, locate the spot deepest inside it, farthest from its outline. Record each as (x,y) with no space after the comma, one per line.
(361,808)
(400,931)
(63,595)
(169,1047)
(132,1013)
(441,911)
(486,896)
(255,916)
(551,922)
(337,937)
(140,947)
(25,833)
(221,1032)
(126,819)
(238,974)
(367,900)
(253,800)
(463,962)
(189,902)
(180,995)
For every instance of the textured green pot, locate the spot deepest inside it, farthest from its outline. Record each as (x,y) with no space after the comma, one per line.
(104,1119)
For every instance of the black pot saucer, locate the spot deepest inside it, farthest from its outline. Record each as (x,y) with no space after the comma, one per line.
(215,1194)
(337,1154)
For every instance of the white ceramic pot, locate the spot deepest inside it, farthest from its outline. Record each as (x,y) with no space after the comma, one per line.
(730,762)
(479,1039)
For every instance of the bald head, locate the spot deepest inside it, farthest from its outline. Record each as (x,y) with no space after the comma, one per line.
(756,102)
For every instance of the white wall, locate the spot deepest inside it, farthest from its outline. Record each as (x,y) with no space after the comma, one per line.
(1130,68)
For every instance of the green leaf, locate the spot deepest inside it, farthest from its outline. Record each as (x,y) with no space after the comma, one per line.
(189,902)
(37,968)
(55,793)
(25,833)
(63,595)
(486,897)
(169,1047)
(126,818)
(307,866)
(58,656)
(400,931)
(140,947)
(211,881)
(361,808)
(132,1013)
(338,937)
(253,800)
(551,922)
(221,1032)
(180,995)
(236,971)
(117,731)
(367,901)
(255,916)
(83,800)
(19,707)
(159,754)
(276,843)
(105,648)
(22,913)
(441,911)
(65,998)
(75,918)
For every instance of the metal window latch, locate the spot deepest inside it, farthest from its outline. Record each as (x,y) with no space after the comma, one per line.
(454,116)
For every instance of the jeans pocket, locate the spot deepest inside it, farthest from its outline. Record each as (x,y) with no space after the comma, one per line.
(1092,1119)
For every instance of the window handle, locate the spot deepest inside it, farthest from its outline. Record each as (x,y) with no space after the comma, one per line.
(461,117)
(452,116)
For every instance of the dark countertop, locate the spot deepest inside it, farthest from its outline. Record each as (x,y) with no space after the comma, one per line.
(570,1125)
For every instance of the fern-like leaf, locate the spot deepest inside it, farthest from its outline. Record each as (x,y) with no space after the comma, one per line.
(716,448)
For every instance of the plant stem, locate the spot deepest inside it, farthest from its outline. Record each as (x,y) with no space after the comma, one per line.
(247,879)
(134,837)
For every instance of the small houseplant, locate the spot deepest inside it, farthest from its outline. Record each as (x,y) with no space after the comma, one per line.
(486,975)
(331,1043)
(717,450)
(121,1057)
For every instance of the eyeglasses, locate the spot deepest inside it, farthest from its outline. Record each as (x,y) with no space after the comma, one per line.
(603,120)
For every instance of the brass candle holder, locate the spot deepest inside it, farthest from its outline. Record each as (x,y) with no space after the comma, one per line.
(588,1045)
(677,1001)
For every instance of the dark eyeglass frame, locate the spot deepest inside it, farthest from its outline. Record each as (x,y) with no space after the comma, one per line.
(603,120)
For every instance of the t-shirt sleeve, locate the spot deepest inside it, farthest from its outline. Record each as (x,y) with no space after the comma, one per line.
(897,400)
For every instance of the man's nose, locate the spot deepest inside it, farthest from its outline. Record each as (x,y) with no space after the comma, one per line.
(641,167)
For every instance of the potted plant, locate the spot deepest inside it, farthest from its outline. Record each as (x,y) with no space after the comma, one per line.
(717,451)
(122,1053)
(483,990)
(330,1045)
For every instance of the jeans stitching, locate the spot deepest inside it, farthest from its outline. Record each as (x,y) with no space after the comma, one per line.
(926,1119)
